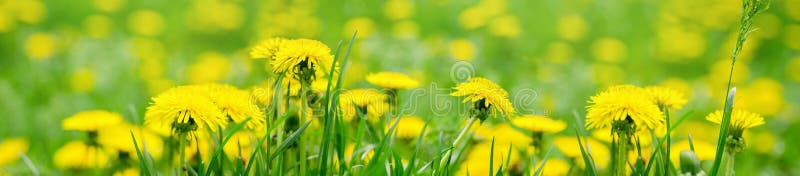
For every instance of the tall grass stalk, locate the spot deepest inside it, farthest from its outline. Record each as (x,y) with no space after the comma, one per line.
(750,8)
(447,155)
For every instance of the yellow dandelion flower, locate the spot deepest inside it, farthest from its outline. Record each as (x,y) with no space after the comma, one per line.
(266,49)
(409,127)
(609,50)
(536,123)
(405,30)
(91,120)
(570,148)
(485,94)
(127,172)
(704,150)
(363,25)
(235,104)
(398,9)
(31,12)
(40,46)
(506,135)
(184,109)
(368,101)
(10,150)
(210,67)
(364,153)
(263,93)
(78,155)
(82,80)
(302,59)
(623,103)
(119,138)
(559,52)
(572,27)
(240,145)
(146,23)
(554,167)
(740,119)
(108,5)
(462,49)
(763,96)
(507,26)
(392,80)
(476,159)
(98,26)
(664,96)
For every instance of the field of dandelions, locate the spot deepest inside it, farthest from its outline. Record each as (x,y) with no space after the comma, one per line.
(399,87)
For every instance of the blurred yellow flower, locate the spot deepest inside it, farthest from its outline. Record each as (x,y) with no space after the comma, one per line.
(109,6)
(609,50)
(559,52)
(10,150)
(409,127)
(302,59)
(740,119)
(505,26)
(368,101)
(78,155)
(485,94)
(792,69)
(7,21)
(98,26)
(506,135)
(241,145)
(82,80)
(537,123)
(406,29)
(677,84)
(763,96)
(553,167)
(398,9)
(146,22)
(392,80)
(765,142)
(364,153)
(608,74)
(184,109)
(235,104)
(476,159)
(118,138)
(791,36)
(127,172)
(263,93)
(664,96)
(363,25)
(31,11)
(91,120)
(266,49)
(678,44)
(40,46)
(720,70)
(462,49)
(572,27)
(704,150)
(210,16)
(209,67)
(570,147)
(473,18)
(147,48)
(623,103)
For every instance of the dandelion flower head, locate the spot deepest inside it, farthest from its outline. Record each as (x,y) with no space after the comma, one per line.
(91,120)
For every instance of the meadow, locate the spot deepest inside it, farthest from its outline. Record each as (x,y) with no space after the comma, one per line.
(399,87)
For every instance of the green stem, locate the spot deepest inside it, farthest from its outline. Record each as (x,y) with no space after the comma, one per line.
(730,158)
(302,142)
(182,149)
(455,142)
(621,154)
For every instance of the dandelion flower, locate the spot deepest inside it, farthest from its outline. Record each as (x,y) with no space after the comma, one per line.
(409,127)
(485,94)
(302,59)
(623,103)
(476,159)
(540,124)
(266,49)
(78,155)
(91,121)
(553,166)
(392,80)
(664,96)
(570,147)
(184,109)
(119,138)
(236,105)
(240,145)
(10,150)
(740,119)
(130,172)
(368,101)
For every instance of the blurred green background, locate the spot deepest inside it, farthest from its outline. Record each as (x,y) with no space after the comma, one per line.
(59,57)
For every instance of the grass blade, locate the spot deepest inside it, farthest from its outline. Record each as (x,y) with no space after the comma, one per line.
(491,158)
(661,142)
(222,144)
(142,159)
(289,140)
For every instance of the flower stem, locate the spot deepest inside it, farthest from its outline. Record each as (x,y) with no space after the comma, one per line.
(455,142)
(182,145)
(621,154)
(730,158)
(302,142)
